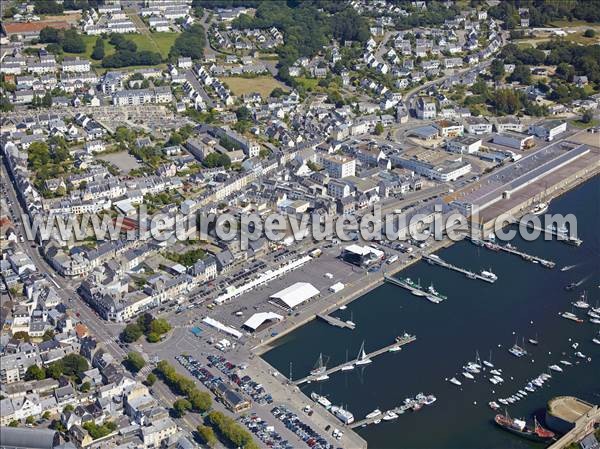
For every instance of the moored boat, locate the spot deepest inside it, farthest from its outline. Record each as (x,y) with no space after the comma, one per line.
(519,427)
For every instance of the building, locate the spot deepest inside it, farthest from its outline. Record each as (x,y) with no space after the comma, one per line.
(261,320)
(432,165)
(361,255)
(464,144)
(142,96)
(514,140)
(477,125)
(548,130)
(448,128)
(426,109)
(508,123)
(339,166)
(28,438)
(30,30)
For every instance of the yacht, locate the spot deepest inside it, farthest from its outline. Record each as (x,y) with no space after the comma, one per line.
(390,415)
(320,367)
(595,320)
(348,367)
(581,303)
(575,345)
(540,208)
(498,379)
(455,381)
(517,350)
(565,363)
(321,377)
(489,275)
(343,415)
(373,414)
(468,375)
(320,400)
(534,341)
(556,368)
(493,380)
(496,372)
(344,307)
(362,358)
(593,314)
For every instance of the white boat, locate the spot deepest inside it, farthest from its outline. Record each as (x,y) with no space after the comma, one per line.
(575,345)
(556,368)
(594,320)
(321,377)
(362,358)
(390,415)
(493,380)
(394,349)
(524,393)
(566,363)
(593,314)
(320,367)
(468,375)
(496,372)
(348,367)
(430,399)
(488,274)
(580,355)
(534,341)
(567,267)
(540,208)
(581,303)
(596,340)
(320,400)
(373,414)
(571,316)
(498,379)
(343,307)
(350,323)
(455,381)
(493,405)
(503,401)
(488,362)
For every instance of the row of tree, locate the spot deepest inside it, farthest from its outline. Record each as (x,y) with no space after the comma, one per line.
(199,401)
(230,430)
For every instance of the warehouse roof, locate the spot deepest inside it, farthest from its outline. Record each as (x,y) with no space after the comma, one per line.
(296,294)
(256,320)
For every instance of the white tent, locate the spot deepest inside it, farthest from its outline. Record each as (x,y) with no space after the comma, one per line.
(295,294)
(256,320)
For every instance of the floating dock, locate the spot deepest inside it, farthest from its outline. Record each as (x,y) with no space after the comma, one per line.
(574,241)
(336,322)
(399,343)
(513,250)
(435,260)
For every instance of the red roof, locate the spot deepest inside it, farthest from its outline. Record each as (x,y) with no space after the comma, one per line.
(33,27)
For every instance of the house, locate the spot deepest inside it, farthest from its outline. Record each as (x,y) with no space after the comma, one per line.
(508,123)
(449,128)
(426,108)
(477,125)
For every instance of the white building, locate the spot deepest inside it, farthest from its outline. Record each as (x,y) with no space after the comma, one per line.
(464,144)
(339,166)
(514,140)
(548,130)
(477,125)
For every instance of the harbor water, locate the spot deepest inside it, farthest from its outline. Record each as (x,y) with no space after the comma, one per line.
(523,303)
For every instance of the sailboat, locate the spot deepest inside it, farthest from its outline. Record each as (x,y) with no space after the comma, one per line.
(488,362)
(347,366)
(319,372)
(350,322)
(362,358)
(534,341)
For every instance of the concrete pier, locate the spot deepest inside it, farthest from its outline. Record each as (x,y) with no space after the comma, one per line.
(336,321)
(435,260)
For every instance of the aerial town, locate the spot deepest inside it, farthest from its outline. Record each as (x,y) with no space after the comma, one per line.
(130,110)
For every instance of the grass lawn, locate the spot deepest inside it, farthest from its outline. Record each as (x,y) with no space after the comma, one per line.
(580,124)
(574,23)
(307,83)
(264,85)
(158,42)
(90,41)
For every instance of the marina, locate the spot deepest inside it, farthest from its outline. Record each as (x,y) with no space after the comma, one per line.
(518,306)
(324,373)
(486,276)
(431,294)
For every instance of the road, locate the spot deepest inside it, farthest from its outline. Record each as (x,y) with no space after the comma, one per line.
(65,289)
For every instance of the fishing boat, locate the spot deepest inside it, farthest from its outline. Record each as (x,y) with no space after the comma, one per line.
(343,415)
(362,358)
(519,427)
(455,381)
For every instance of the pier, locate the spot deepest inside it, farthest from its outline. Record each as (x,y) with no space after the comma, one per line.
(435,260)
(513,250)
(336,321)
(393,280)
(399,343)
(561,237)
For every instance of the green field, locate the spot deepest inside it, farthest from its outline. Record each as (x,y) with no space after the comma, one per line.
(90,41)
(264,85)
(159,42)
(307,83)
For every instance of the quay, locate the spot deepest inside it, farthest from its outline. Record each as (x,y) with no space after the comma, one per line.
(399,343)
(336,321)
(436,260)
(393,280)
(559,235)
(513,250)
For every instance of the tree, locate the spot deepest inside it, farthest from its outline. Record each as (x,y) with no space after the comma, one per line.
(135,361)
(181,406)
(190,43)
(587,117)
(131,333)
(29,420)
(243,113)
(207,435)
(589,33)
(276,93)
(145,322)
(21,335)
(497,69)
(217,160)
(565,71)
(5,104)
(521,74)
(378,129)
(74,364)
(48,335)
(153,337)
(34,372)
(14,423)
(47,7)
(46,415)
(47,100)
(49,35)
(200,401)
(72,42)
(98,52)
(150,379)
(57,425)
(68,408)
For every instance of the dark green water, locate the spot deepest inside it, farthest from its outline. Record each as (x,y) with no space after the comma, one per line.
(476,316)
